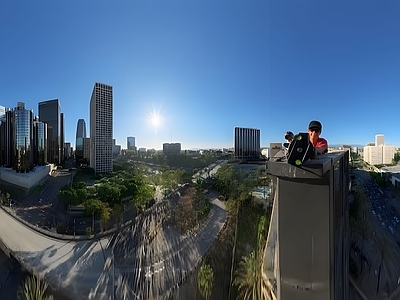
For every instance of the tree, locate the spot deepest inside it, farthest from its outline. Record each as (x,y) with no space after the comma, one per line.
(93,206)
(109,194)
(250,279)
(89,231)
(33,289)
(230,183)
(396,158)
(199,183)
(205,280)
(105,215)
(388,256)
(233,186)
(143,194)
(360,220)
(69,196)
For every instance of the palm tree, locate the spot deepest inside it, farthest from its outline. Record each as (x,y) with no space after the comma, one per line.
(205,280)
(360,222)
(33,289)
(250,279)
(362,233)
(388,270)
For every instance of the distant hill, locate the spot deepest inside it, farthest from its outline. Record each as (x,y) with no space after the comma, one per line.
(341,145)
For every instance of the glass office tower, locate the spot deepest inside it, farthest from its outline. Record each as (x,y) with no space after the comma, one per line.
(3,135)
(80,138)
(49,113)
(23,133)
(247,143)
(130,145)
(40,142)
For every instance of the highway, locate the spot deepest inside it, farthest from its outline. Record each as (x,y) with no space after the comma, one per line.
(148,260)
(384,220)
(152,258)
(67,266)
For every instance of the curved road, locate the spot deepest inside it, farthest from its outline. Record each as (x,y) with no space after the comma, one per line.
(86,269)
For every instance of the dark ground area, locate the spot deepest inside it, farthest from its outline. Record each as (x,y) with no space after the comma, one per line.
(219,256)
(11,278)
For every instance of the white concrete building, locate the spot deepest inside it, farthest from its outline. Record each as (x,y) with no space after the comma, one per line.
(380,154)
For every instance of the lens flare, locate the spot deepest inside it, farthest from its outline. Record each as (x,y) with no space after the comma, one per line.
(154,118)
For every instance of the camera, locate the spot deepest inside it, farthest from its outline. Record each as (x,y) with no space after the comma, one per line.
(300,149)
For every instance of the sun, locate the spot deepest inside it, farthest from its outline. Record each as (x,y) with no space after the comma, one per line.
(155,120)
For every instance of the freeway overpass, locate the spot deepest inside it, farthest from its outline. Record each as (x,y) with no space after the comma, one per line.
(91,269)
(77,268)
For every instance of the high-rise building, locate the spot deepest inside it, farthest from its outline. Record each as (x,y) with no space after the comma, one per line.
(40,142)
(307,253)
(80,137)
(171,148)
(101,128)
(2,112)
(6,137)
(130,143)
(23,139)
(50,113)
(379,140)
(17,129)
(2,135)
(247,143)
(86,149)
(67,150)
(62,138)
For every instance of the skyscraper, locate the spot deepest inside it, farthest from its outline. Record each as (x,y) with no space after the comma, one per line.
(2,112)
(247,143)
(62,138)
(80,137)
(130,143)
(3,135)
(21,138)
(101,128)
(86,150)
(50,113)
(39,142)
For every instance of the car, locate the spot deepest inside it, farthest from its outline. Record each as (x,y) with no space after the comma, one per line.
(40,200)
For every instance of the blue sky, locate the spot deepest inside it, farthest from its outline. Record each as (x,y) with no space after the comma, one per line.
(207,66)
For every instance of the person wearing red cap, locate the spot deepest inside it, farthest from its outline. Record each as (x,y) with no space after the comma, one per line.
(314,131)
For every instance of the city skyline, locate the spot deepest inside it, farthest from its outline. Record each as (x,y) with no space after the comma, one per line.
(192,72)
